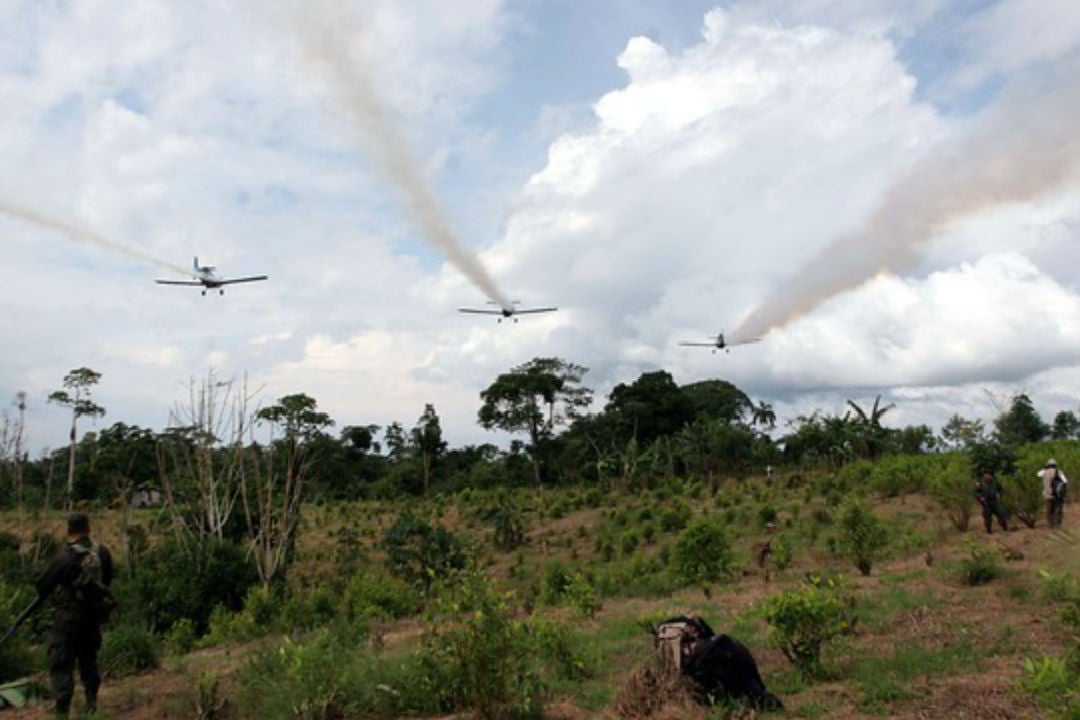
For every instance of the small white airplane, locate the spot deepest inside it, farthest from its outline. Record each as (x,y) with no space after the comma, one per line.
(205,277)
(719,343)
(507,312)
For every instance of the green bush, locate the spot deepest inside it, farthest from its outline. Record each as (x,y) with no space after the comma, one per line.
(420,553)
(554,583)
(376,595)
(485,662)
(783,552)
(983,566)
(174,582)
(15,659)
(675,516)
(702,554)
(803,621)
(128,649)
(952,485)
(581,595)
(901,474)
(1055,684)
(862,535)
(181,637)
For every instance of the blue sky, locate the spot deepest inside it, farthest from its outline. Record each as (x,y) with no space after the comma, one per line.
(661,171)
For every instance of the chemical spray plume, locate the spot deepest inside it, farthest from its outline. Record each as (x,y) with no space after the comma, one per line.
(327,33)
(1028,146)
(76,232)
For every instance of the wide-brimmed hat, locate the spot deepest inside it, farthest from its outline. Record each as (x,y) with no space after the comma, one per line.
(1051,463)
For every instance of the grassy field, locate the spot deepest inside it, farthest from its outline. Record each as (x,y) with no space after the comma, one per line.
(926,643)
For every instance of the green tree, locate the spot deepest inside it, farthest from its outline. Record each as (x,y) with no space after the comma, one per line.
(1020,424)
(76,395)
(1066,426)
(535,398)
(718,400)
(273,490)
(706,447)
(959,433)
(872,437)
(428,442)
(764,415)
(652,406)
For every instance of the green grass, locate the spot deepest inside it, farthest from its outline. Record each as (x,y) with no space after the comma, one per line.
(878,611)
(886,680)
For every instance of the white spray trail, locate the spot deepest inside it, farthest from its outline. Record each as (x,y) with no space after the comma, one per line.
(77,232)
(327,33)
(1027,147)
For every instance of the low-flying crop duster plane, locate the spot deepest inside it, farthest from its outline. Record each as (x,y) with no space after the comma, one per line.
(507,312)
(719,343)
(206,278)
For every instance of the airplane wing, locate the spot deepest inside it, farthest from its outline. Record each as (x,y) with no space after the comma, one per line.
(748,341)
(533,311)
(698,344)
(253,278)
(192,283)
(476,311)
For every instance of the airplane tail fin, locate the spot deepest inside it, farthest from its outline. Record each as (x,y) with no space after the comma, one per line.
(195,263)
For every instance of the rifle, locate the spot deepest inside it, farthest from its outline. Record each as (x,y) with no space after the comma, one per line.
(27,611)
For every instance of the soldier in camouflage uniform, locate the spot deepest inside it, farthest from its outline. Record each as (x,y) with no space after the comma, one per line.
(78,578)
(988,492)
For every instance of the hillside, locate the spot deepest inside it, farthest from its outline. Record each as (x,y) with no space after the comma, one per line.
(925,645)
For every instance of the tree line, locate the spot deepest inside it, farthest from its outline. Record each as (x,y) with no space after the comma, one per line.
(218,442)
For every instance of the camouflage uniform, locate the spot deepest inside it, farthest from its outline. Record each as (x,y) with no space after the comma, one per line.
(988,492)
(76,632)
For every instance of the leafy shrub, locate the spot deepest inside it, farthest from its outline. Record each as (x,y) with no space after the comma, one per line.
(629,541)
(952,485)
(180,639)
(509,524)
(900,474)
(375,595)
(783,552)
(485,661)
(803,621)
(128,649)
(174,582)
(581,595)
(309,609)
(1055,684)
(862,535)
(981,567)
(702,554)
(15,658)
(1023,491)
(554,583)
(420,553)
(675,516)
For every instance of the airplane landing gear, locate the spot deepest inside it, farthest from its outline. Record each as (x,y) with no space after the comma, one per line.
(204,293)
(221,292)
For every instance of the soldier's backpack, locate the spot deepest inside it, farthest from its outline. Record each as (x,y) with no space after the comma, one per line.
(88,585)
(678,639)
(1058,486)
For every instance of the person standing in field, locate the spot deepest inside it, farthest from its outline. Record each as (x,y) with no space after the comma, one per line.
(988,492)
(1055,484)
(78,579)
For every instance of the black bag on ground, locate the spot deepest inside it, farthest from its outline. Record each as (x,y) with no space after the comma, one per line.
(719,665)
